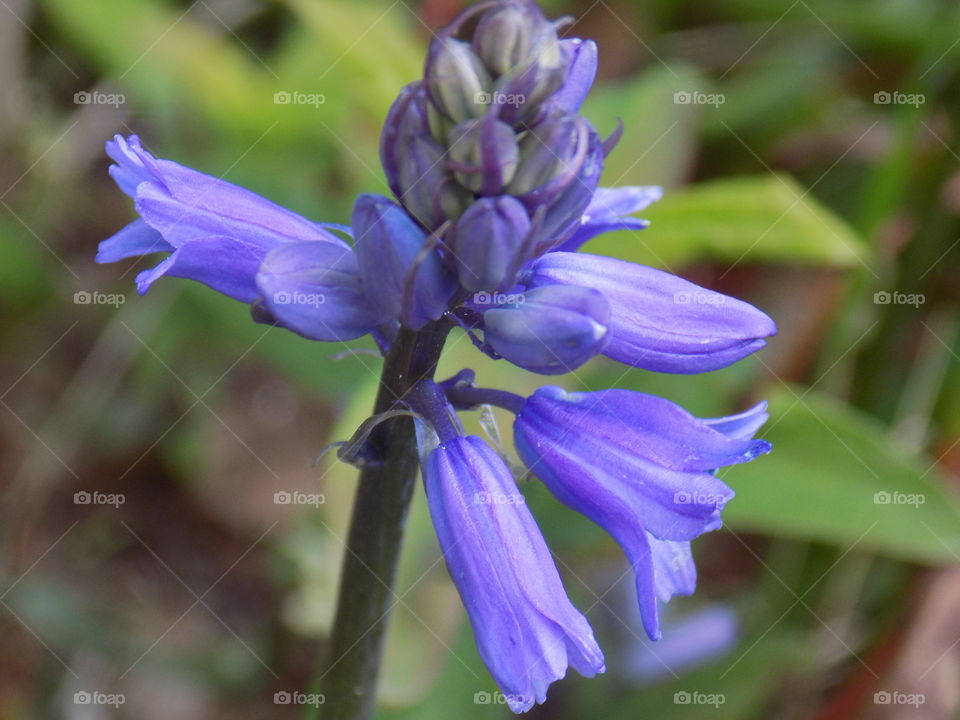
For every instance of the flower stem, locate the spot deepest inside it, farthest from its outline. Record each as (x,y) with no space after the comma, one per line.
(349,677)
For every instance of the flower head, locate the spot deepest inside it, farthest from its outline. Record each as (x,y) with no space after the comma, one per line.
(495,176)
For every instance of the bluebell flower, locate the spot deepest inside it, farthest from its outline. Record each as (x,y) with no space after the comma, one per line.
(495,180)
(526,630)
(643,469)
(217,233)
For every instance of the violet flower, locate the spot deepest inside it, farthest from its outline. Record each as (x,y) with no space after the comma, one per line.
(495,176)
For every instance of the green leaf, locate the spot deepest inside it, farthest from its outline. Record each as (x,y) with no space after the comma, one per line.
(766,218)
(836,476)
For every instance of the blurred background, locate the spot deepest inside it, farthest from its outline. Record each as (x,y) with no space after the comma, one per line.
(157,560)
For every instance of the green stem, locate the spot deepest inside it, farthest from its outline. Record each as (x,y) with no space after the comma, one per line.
(349,677)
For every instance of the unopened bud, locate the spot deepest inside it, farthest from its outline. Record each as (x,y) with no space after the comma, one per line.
(457,79)
(487,242)
(483,154)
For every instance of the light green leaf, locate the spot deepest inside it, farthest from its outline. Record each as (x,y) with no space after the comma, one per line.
(766,218)
(835,475)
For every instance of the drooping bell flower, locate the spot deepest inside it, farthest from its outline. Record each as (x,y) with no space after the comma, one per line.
(642,468)
(217,233)
(526,630)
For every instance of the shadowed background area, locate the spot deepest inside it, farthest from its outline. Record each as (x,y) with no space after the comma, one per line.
(170,549)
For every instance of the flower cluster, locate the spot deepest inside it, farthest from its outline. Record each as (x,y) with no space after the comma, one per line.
(495,177)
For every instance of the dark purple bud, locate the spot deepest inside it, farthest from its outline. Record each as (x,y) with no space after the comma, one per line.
(550,332)
(506,37)
(402,275)
(457,81)
(408,118)
(552,154)
(483,154)
(487,242)
(421,174)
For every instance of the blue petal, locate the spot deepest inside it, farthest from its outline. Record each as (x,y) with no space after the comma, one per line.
(660,321)
(551,330)
(526,630)
(610,210)
(222,263)
(135,239)
(315,289)
(403,279)
(581,56)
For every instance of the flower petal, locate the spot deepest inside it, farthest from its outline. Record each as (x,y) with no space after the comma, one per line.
(315,290)
(526,630)
(135,239)
(659,321)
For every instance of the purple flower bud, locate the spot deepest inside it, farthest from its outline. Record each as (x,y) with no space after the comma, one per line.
(525,627)
(407,119)
(609,209)
(315,289)
(483,154)
(549,330)
(659,321)
(403,278)
(507,35)
(634,464)
(421,176)
(551,156)
(563,215)
(457,81)
(487,242)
